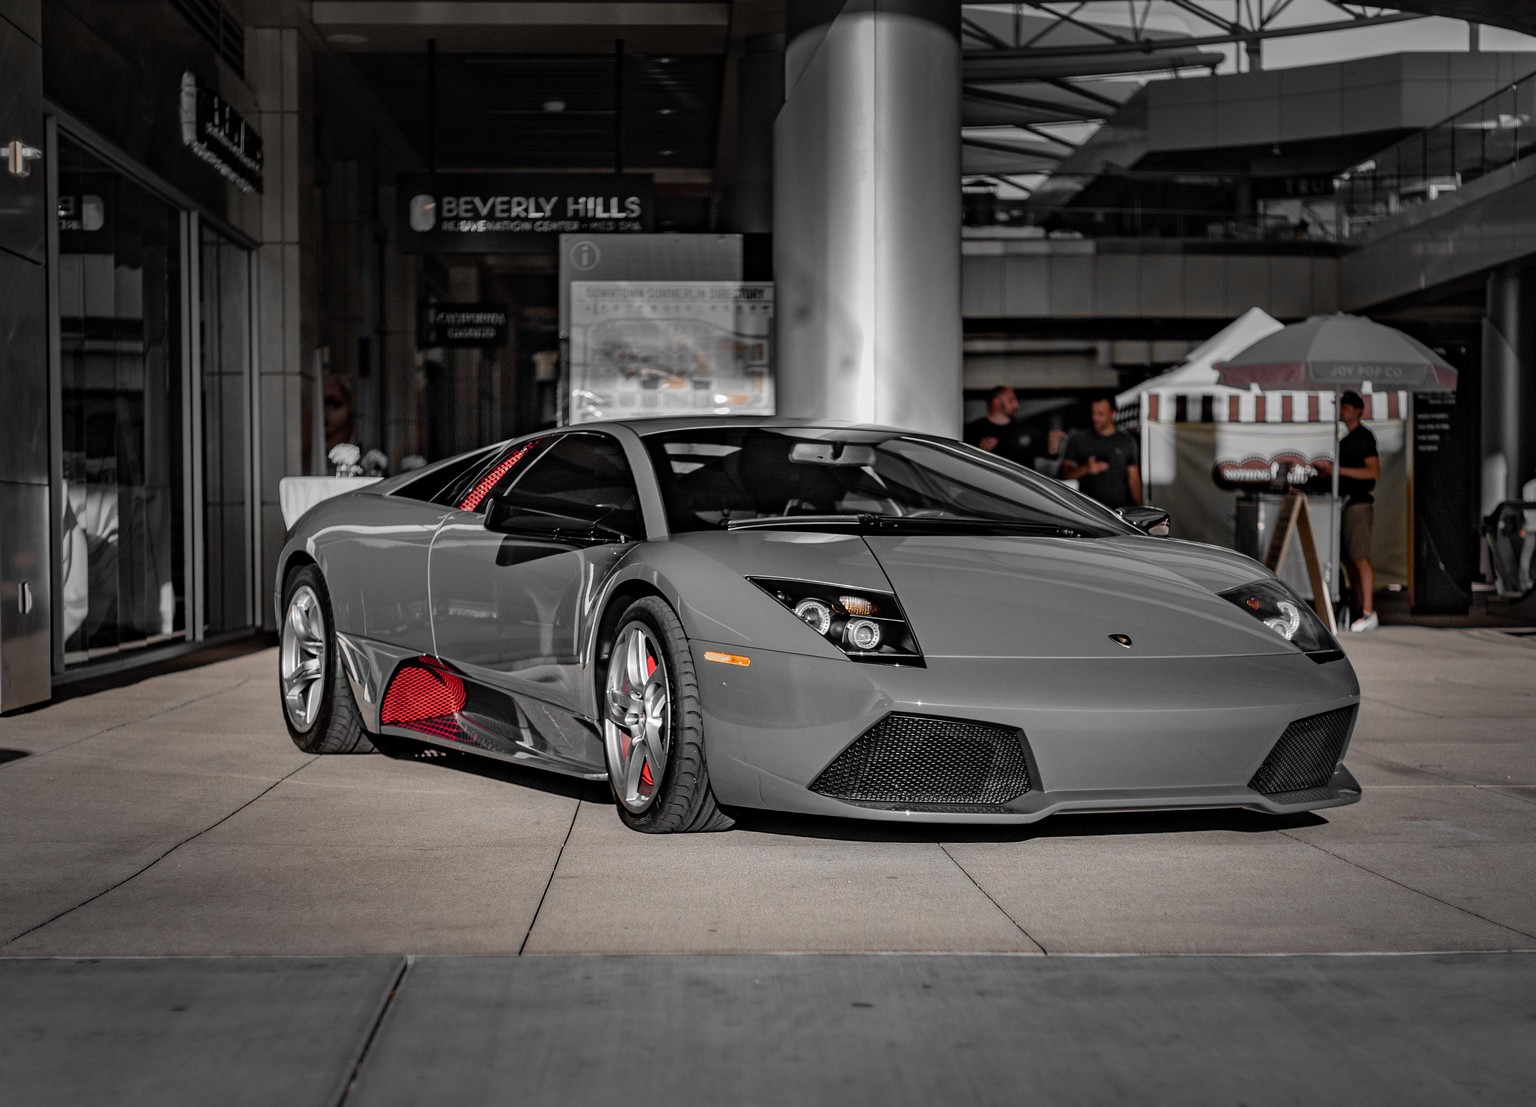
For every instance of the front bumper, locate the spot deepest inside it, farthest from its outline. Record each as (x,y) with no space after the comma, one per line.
(1101,734)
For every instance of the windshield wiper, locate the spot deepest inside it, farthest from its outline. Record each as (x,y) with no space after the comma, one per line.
(809,521)
(930,523)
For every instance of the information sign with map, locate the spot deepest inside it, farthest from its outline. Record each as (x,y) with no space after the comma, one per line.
(646,348)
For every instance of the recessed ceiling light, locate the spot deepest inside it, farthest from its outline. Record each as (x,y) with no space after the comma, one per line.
(554,105)
(668,153)
(663,111)
(346,38)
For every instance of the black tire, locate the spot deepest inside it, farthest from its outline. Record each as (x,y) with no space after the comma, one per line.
(682,801)
(334,724)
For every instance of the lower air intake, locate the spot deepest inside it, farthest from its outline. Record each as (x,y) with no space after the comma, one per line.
(1306,755)
(919,761)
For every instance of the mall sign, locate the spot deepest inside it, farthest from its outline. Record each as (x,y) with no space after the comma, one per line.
(515,213)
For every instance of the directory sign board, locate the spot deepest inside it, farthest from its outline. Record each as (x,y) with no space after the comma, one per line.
(647,348)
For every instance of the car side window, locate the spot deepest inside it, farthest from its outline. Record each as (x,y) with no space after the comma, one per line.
(437,484)
(585,474)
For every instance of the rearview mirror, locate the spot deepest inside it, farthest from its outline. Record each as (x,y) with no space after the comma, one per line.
(1147,519)
(828,453)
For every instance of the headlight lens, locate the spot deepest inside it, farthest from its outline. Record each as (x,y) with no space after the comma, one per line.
(1285,613)
(867,626)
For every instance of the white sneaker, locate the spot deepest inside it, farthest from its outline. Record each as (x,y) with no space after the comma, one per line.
(1365,622)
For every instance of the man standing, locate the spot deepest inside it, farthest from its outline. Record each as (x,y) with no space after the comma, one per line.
(1104,461)
(1359,470)
(997,433)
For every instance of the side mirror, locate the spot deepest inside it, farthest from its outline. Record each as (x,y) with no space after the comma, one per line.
(508,517)
(1148,520)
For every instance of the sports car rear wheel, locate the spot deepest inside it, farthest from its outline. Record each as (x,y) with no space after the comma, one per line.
(653,728)
(318,707)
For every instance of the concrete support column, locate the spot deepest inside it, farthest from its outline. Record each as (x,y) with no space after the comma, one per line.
(867,213)
(747,205)
(291,440)
(1509,385)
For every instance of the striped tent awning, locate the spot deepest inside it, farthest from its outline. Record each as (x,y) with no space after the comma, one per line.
(1168,406)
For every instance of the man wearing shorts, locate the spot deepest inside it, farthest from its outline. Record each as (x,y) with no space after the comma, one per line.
(1359,470)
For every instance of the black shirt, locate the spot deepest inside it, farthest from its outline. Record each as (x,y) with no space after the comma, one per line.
(1015,441)
(1354,448)
(1112,487)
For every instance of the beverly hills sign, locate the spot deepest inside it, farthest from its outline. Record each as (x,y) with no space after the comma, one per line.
(500,213)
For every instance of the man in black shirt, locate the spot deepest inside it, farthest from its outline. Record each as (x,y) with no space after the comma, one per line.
(1105,462)
(1359,470)
(997,433)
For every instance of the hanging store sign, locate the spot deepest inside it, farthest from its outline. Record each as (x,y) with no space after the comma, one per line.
(514,213)
(219,135)
(461,325)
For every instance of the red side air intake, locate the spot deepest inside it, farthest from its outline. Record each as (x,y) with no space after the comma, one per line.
(424,695)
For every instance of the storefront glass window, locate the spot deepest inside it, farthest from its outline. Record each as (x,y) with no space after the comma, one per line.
(123,523)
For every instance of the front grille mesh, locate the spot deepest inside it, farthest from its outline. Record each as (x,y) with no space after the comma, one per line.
(917,761)
(1306,755)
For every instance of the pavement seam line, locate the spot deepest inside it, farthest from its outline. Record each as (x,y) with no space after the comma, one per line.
(146,718)
(550,882)
(1016,924)
(135,875)
(373,1032)
(1408,887)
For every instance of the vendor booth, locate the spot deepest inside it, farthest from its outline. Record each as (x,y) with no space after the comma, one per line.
(1220,459)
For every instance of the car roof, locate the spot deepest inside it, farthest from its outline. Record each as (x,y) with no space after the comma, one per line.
(664,424)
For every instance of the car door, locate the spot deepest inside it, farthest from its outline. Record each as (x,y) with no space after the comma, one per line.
(511,610)
(375,561)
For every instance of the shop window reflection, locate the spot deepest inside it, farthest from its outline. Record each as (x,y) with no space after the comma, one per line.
(122,511)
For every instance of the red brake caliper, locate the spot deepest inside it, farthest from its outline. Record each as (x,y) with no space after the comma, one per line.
(645,770)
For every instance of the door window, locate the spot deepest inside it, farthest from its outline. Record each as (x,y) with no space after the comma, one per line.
(584,474)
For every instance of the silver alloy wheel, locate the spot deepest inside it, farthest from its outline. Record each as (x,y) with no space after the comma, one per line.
(637,720)
(301,665)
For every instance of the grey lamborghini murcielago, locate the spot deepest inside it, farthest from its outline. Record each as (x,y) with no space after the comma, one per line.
(811,617)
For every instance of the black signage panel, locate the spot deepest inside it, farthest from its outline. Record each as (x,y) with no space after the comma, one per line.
(1444,513)
(513,213)
(462,325)
(219,135)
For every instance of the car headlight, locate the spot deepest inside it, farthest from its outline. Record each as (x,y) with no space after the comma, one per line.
(1285,613)
(865,625)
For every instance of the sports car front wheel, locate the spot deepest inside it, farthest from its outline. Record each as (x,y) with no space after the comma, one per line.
(318,707)
(653,728)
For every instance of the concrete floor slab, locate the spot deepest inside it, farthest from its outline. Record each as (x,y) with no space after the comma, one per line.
(167,1033)
(902,1030)
(1443,842)
(1507,764)
(341,859)
(750,890)
(1209,883)
(370,854)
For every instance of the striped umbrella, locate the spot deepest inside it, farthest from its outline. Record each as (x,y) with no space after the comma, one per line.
(1338,352)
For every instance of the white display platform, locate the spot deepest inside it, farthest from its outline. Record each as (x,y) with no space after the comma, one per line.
(298,494)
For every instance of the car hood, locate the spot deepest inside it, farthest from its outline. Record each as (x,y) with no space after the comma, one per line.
(1018,596)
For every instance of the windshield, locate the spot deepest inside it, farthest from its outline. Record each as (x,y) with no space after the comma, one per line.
(712,477)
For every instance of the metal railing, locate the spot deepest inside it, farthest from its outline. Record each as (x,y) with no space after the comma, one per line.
(1489,135)
(1016,218)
